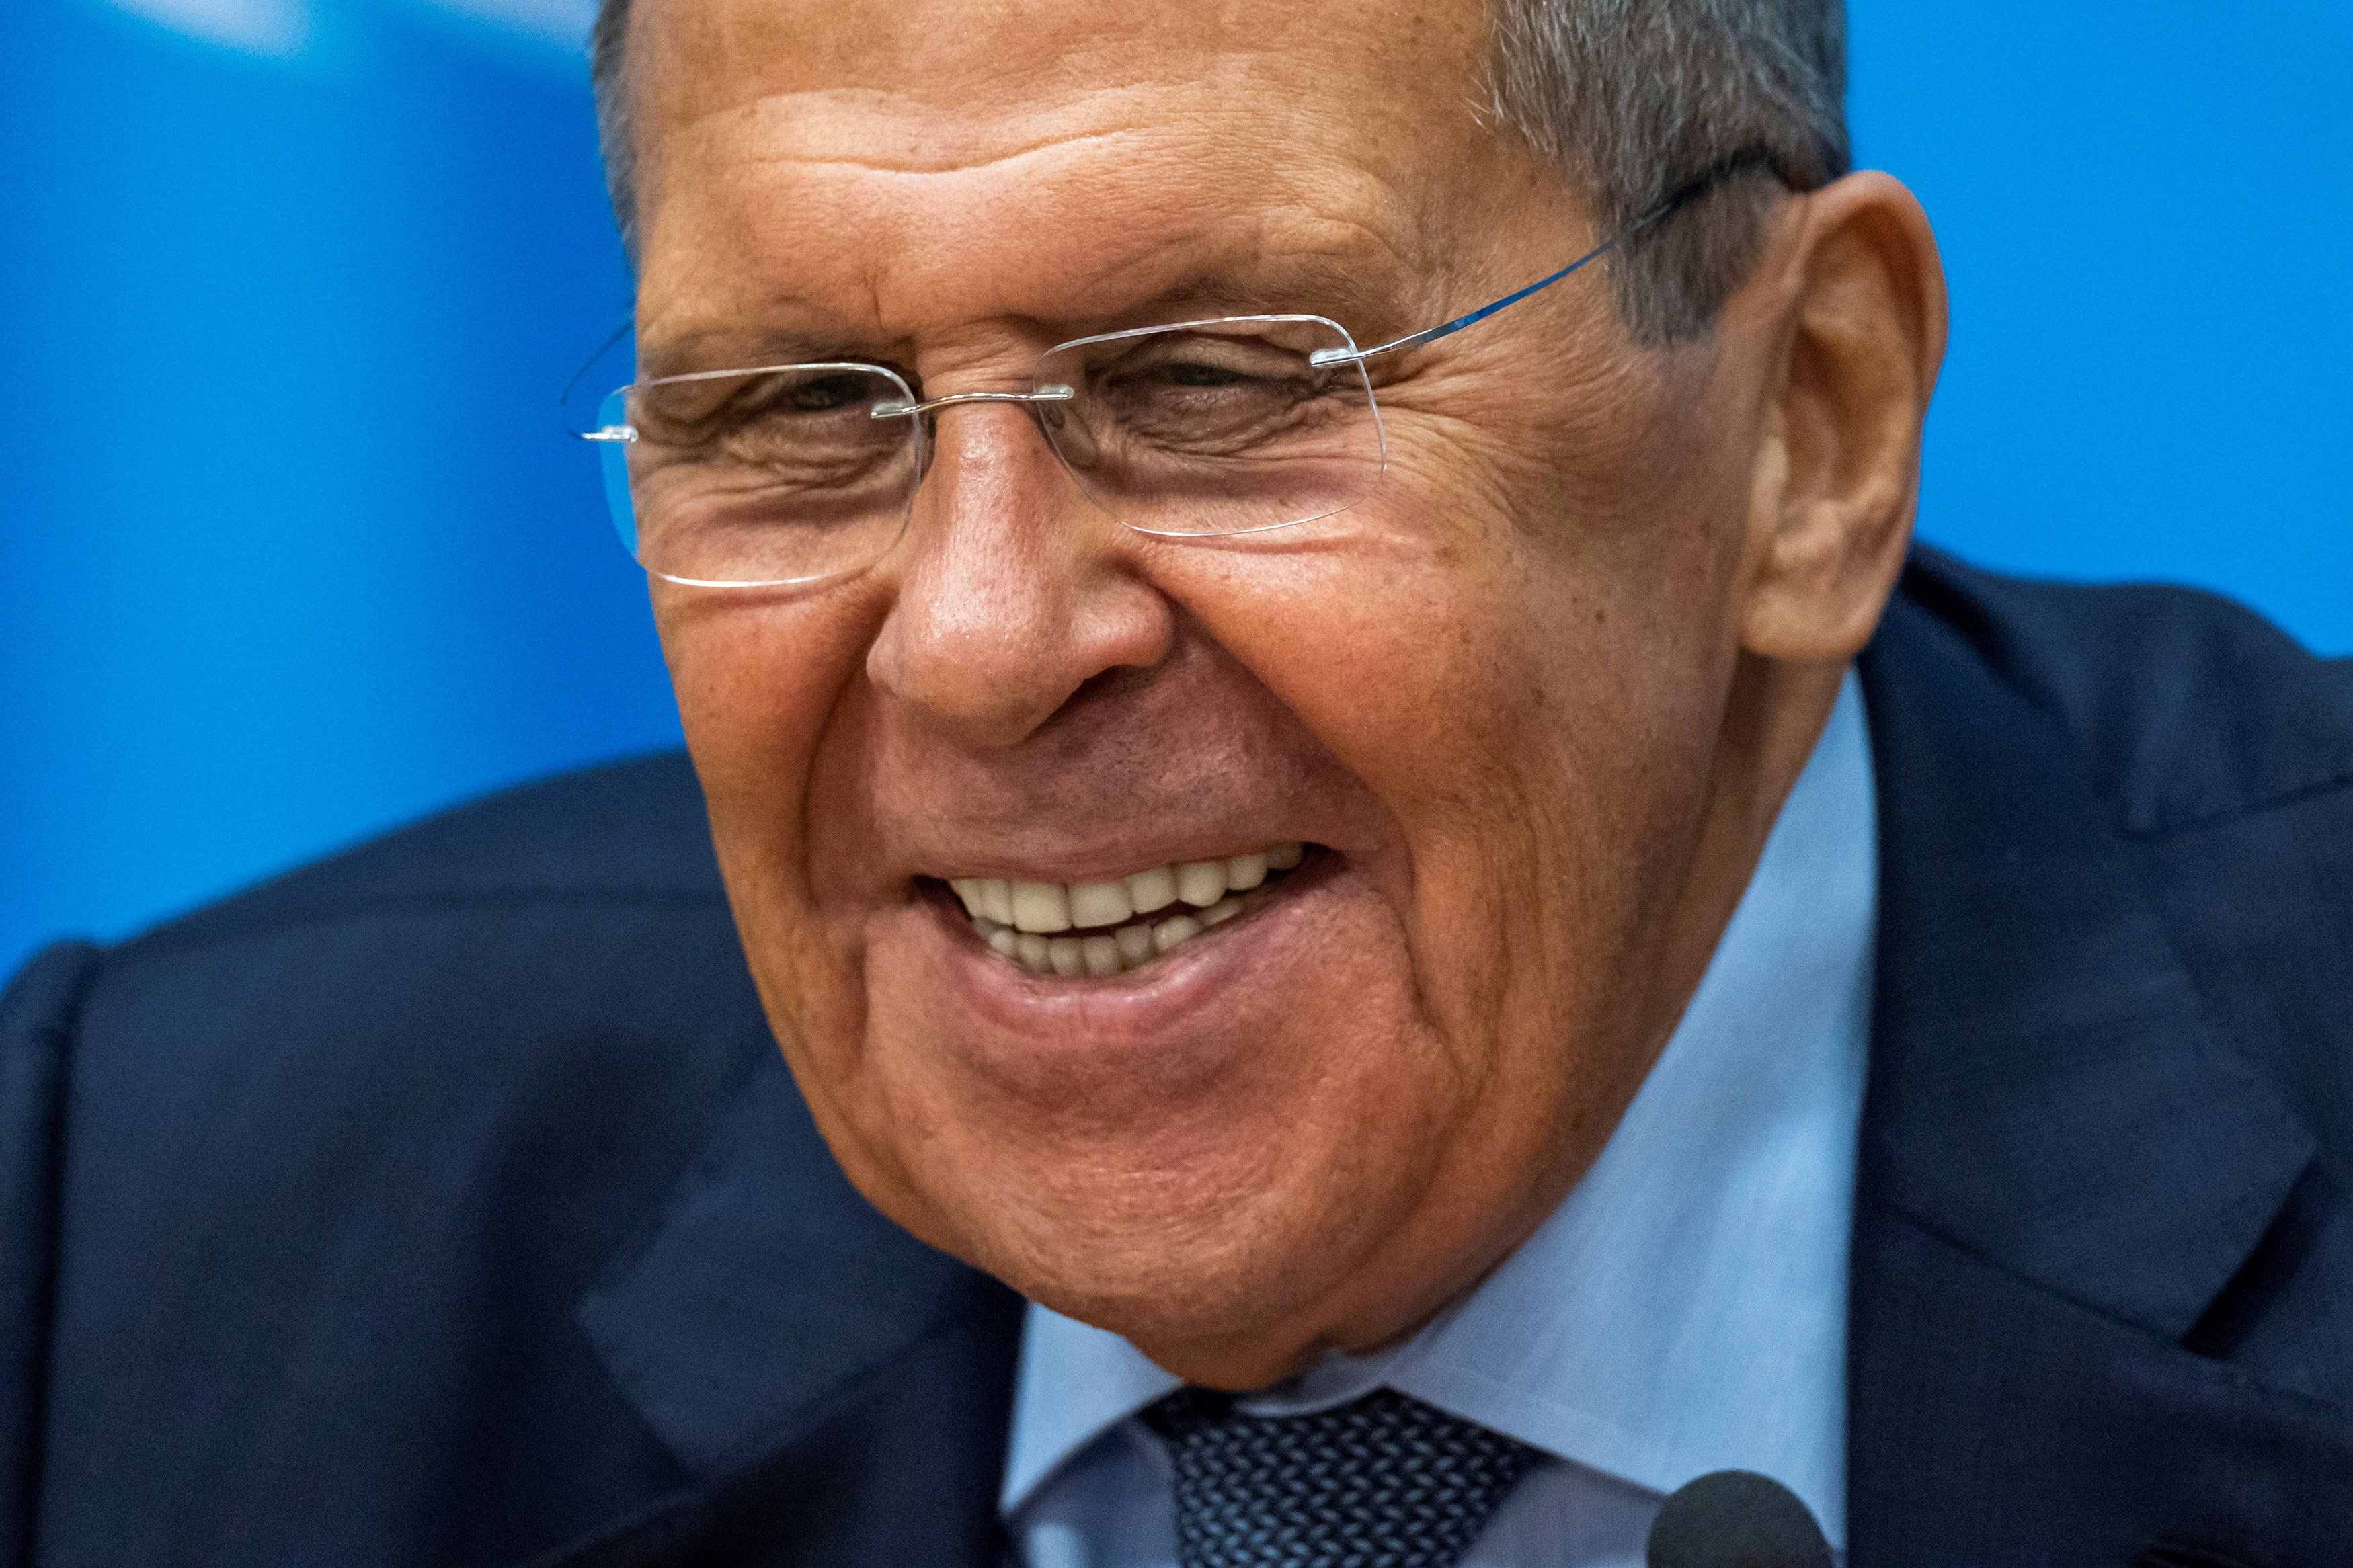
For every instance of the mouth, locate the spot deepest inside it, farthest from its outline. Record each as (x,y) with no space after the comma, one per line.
(1094,928)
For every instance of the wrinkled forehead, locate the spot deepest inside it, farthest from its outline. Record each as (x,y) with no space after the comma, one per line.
(917,163)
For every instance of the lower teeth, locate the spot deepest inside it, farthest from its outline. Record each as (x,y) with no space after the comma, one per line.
(1103,953)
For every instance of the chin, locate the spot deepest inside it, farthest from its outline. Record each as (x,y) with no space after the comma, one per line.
(1196,1150)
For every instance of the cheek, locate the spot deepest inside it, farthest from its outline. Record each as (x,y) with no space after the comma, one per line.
(758,683)
(1386,652)
(1530,701)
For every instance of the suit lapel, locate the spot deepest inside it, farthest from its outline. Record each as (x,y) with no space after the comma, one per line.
(840,1393)
(2061,1168)
(898,1466)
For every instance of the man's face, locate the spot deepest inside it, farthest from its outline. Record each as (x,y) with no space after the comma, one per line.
(1490,699)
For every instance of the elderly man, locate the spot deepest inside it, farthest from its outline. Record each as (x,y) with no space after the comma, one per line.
(1400,917)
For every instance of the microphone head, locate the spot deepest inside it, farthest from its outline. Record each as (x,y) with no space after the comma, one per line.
(1735,1519)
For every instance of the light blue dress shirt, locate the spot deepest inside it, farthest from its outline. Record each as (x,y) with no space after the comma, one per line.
(1684,1309)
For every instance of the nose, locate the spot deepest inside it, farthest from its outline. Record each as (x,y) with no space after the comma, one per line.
(1015,592)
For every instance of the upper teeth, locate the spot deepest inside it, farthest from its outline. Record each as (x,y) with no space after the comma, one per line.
(1017,916)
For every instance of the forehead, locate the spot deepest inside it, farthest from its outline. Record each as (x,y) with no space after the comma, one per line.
(912,167)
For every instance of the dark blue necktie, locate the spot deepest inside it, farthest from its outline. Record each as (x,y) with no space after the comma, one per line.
(1384,1481)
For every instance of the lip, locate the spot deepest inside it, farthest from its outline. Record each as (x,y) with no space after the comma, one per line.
(1037,1017)
(1105,865)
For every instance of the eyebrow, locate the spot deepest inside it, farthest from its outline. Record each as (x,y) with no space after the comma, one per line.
(743,347)
(1356,295)
(1319,285)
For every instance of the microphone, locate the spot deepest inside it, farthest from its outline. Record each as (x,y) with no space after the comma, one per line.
(1735,1519)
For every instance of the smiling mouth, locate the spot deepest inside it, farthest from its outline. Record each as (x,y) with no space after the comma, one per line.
(1072,929)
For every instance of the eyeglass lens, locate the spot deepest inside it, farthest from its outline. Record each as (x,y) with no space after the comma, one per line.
(789,473)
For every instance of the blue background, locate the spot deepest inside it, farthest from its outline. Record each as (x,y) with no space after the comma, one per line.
(293,548)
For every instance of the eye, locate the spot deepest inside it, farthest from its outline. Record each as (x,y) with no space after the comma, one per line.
(1187,373)
(1203,360)
(826,393)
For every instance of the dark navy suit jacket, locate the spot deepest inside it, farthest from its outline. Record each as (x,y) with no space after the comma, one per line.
(447,1202)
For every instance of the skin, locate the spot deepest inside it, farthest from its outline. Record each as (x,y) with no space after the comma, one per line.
(1540,696)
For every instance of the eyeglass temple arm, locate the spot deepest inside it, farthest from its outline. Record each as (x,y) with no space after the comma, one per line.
(1322,357)
(1739,163)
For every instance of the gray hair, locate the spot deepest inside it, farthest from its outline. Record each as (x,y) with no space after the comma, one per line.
(1636,98)
(1632,97)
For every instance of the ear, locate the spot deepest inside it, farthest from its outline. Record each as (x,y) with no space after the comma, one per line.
(1862,293)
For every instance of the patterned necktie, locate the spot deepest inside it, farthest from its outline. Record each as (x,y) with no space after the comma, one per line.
(1384,1481)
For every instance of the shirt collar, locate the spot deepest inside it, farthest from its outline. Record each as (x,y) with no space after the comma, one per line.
(1684,1309)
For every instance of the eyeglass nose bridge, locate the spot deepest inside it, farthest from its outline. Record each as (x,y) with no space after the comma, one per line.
(901,408)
